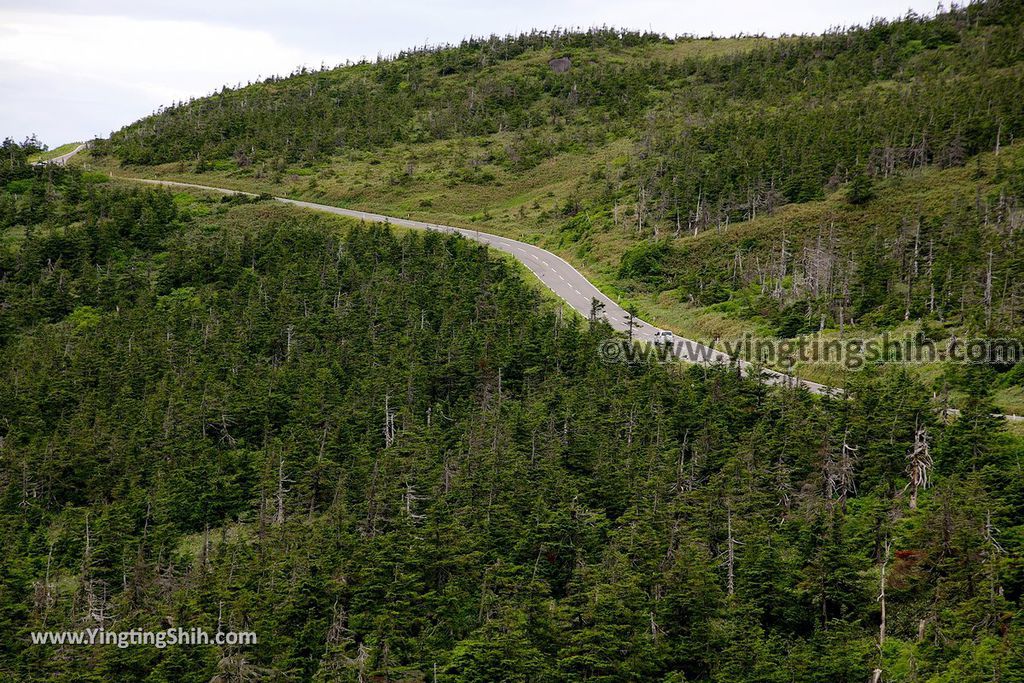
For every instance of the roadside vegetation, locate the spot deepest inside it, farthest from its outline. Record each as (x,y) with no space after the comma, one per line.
(862,181)
(390,458)
(52,153)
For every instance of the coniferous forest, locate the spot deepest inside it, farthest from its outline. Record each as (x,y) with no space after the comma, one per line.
(385,454)
(395,458)
(874,171)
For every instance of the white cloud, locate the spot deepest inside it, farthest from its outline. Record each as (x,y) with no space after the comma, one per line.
(71,69)
(145,63)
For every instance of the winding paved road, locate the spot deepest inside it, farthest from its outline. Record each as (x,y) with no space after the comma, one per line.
(63,158)
(555,272)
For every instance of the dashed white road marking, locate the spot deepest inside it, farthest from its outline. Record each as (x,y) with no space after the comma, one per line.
(488,239)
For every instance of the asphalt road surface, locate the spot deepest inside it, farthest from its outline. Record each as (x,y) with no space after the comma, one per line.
(559,276)
(63,158)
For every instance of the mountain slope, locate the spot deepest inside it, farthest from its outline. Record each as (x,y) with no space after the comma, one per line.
(386,457)
(645,141)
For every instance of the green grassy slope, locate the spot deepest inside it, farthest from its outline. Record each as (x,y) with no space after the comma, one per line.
(52,153)
(387,457)
(847,181)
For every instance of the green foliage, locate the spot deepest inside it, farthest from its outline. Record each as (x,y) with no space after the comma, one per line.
(418,95)
(643,260)
(14,164)
(861,190)
(382,454)
(716,135)
(650,140)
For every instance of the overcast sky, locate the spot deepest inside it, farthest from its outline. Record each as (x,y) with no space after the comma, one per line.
(75,69)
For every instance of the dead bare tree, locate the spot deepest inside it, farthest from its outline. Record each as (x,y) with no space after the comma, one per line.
(919,465)
(839,472)
(991,552)
(389,423)
(912,272)
(409,500)
(281,491)
(876,675)
(730,555)
(988,292)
